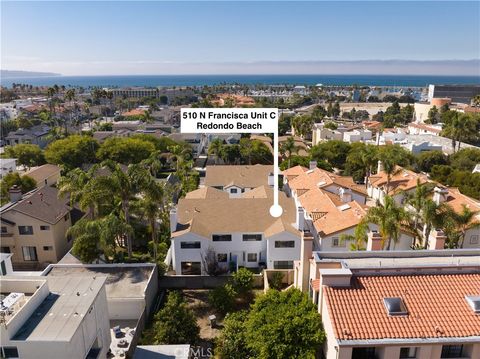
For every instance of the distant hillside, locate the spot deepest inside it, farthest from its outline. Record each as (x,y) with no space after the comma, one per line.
(15,74)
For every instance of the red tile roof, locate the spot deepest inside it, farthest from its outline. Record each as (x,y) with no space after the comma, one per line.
(436,307)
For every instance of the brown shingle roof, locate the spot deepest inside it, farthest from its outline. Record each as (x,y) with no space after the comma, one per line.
(213,214)
(42,204)
(40,174)
(436,307)
(241,176)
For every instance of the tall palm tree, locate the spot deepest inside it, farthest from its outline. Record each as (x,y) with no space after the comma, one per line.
(216,148)
(69,96)
(417,200)
(368,156)
(464,221)
(433,215)
(288,148)
(124,186)
(389,218)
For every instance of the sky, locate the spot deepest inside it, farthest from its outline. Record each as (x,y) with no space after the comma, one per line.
(154,37)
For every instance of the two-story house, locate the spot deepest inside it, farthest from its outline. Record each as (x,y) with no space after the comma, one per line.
(34,226)
(237,231)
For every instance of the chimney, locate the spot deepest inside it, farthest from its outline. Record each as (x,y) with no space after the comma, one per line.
(379,166)
(436,239)
(312,165)
(335,277)
(300,220)
(173,220)
(440,195)
(374,242)
(345,195)
(306,248)
(15,193)
(271,178)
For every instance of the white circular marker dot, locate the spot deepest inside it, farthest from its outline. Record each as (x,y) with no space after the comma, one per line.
(276,210)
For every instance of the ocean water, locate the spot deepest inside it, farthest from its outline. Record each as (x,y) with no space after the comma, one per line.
(200,80)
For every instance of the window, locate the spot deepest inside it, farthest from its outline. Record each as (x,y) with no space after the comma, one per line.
(44,228)
(452,351)
(222,257)
(364,353)
(233,190)
(10,352)
(474,239)
(47,248)
(252,257)
(191,268)
(336,242)
(222,237)
(189,245)
(25,230)
(408,353)
(29,254)
(395,306)
(252,237)
(4,230)
(284,244)
(5,249)
(283,265)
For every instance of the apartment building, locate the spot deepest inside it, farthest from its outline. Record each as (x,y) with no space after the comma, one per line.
(238,179)
(34,226)
(405,181)
(333,206)
(383,305)
(134,92)
(235,230)
(57,317)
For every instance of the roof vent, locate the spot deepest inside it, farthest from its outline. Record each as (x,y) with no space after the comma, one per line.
(395,306)
(474,302)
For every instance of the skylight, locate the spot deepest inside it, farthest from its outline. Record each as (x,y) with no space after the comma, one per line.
(395,306)
(474,302)
(344,207)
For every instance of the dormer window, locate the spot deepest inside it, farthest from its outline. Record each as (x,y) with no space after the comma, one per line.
(395,306)
(474,302)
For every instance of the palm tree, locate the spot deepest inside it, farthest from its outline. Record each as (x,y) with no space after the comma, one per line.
(124,186)
(359,237)
(69,96)
(289,147)
(389,218)
(150,207)
(216,148)
(417,200)
(464,221)
(462,128)
(368,156)
(433,215)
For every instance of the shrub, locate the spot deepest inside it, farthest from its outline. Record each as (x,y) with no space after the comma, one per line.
(222,298)
(276,280)
(242,281)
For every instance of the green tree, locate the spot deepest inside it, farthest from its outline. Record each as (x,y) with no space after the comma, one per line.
(392,156)
(25,183)
(334,152)
(389,218)
(433,215)
(424,161)
(222,298)
(216,148)
(433,115)
(232,342)
(288,148)
(284,325)
(71,152)
(27,155)
(361,160)
(336,110)
(417,200)
(358,240)
(464,221)
(175,322)
(242,281)
(466,159)
(126,150)
(462,128)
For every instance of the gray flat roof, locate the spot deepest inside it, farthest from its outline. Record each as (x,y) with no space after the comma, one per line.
(58,317)
(122,281)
